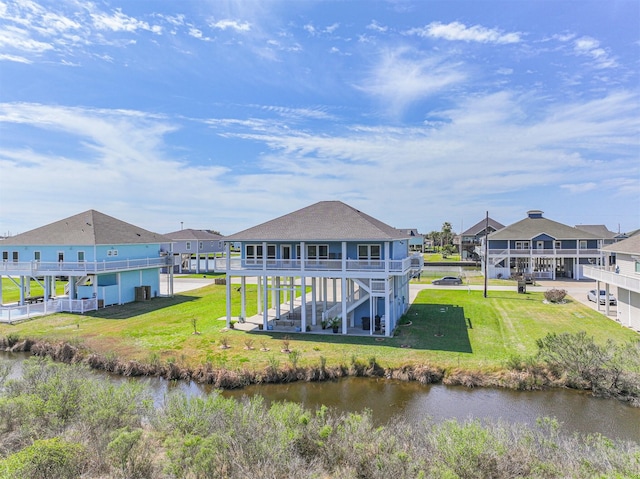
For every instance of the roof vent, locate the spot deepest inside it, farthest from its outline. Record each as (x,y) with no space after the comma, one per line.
(534,213)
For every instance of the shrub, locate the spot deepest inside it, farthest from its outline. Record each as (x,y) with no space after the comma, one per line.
(555,295)
(46,459)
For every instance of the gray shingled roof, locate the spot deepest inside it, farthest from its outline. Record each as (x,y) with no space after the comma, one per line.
(88,228)
(627,246)
(323,221)
(529,228)
(480,225)
(191,234)
(601,231)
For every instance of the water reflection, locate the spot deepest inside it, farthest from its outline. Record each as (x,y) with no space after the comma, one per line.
(413,402)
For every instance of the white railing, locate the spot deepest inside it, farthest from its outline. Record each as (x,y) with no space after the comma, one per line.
(37,268)
(543,274)
(14,313)
(600,273)
(544,252)
(336,309)
(351,265)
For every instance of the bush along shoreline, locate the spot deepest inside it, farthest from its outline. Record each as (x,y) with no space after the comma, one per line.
(57,421)
(573,361)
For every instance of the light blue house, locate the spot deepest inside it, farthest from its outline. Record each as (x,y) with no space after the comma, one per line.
(355,268)
(102,260)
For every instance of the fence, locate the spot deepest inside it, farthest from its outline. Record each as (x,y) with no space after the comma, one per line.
(16,313)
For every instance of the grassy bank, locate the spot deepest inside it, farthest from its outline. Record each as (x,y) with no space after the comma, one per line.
(452,329)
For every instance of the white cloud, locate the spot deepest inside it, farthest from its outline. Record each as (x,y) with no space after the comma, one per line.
(19,39)
(590,47)
(377,27)
(119,22)
(456,31)
(580,187)
(14,58)
(232,24)
(401,77)
(332,28)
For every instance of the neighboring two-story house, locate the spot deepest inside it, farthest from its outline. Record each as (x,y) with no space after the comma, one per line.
(624,275)
(541,248)
(102,260)
(416,240)
(355,268)
(471,239)
(196,249)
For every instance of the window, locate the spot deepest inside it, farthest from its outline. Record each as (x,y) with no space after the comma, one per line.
(558,244)
(112,252)
(271,251)
(253,251)
(369,251)
(5,256)
(60,256)
(583,244)
(15,256)
(317,251)
(36,256)
(637,266)
(188,247)
(80,256)
(200,245)
(522,245)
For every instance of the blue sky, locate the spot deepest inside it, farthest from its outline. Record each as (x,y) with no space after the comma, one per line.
(222,115)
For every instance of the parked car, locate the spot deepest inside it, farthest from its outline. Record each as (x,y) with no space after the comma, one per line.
(448,280)
(591,296)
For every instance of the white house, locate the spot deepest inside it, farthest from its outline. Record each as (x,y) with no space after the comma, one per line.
(625,276)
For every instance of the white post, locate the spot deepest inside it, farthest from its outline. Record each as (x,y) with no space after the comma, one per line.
(303,304)
(344,304)
(243,297)
(265,311)
(228,295)
(277,303)
(314,315)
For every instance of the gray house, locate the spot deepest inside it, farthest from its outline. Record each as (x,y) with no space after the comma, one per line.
(542,248)
(195,250)
(472,238)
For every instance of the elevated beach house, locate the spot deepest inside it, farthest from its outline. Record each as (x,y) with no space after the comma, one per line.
(623,276)
(471,239)
(195,250)
(542,249)
(101,260)
(331,263)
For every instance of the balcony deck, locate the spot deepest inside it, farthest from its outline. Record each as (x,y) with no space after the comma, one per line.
(604,274)
(318,266)
(74,268)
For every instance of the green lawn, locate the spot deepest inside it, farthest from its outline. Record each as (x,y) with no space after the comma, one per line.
(11,291)
(448,328)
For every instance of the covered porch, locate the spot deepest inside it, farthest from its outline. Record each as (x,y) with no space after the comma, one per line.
(317,304)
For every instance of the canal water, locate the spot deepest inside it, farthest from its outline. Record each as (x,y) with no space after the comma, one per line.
(413,402)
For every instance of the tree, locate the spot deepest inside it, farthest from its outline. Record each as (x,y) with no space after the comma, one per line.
(446,236)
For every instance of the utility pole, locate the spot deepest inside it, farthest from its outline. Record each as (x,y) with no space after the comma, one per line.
(486,252)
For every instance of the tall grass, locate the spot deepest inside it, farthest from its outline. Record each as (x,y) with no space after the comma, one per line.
(59,422)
